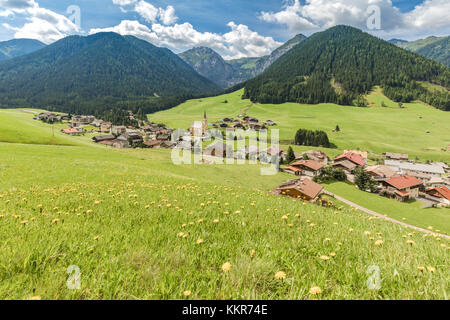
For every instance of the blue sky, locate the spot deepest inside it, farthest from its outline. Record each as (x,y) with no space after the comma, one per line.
(234,28)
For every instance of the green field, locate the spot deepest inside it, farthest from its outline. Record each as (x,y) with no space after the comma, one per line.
(140,227)
(16,127)
(376,129)
(411,213)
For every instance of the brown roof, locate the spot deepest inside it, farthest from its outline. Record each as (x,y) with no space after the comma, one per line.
(403,182)
(311,164)
(346,164)
(353,157)
(304,185)
(152,143)
(381,171)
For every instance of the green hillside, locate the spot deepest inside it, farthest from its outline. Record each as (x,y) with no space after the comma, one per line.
(86,74)
(18,47)
(139,227)
(439,51)
(16,127)
(341,64)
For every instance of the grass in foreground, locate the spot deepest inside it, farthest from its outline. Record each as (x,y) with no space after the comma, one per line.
(139,227)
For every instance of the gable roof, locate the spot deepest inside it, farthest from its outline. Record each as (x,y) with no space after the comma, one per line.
(403,182)
(304,185)
(353,157)
(443,191)
(427,168)
(381,171)
(311,164)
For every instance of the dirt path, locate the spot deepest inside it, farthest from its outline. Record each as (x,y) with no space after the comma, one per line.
(376,214)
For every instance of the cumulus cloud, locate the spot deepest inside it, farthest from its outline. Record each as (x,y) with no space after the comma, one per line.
(316,15)
(41,24)
(148,12)
(239,42)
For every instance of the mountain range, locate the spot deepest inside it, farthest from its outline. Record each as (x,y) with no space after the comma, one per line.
(18,47)
(98,70)
(343,63)
(106,70)
(226,74)
(436,48)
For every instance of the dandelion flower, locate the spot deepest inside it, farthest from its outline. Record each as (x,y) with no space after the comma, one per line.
(280,275)
(187,293)
(252,253)
(315,290)
(216,220)
(420,268)
(35,298)
(379,242)
(226,267)
(333,254)
(199,241)
(367,233)
(284,217)
(325,258)
(410,242)
(431,269)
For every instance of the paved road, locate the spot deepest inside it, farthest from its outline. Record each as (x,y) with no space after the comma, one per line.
(373,213)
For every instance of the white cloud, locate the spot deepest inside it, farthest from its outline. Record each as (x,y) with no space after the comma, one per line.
(41,24)
(433,14)
(148,12)
(239,42)
(316,15)
(168,16)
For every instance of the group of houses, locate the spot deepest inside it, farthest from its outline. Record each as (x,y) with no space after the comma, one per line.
(398,178)
(243,123)
(51,117)
(149,135)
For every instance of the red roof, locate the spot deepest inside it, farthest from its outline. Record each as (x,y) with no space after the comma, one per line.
(403,182)
(443,191)
(353,157)
(311,164)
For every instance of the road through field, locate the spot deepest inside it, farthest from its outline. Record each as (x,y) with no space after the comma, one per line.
(373,213)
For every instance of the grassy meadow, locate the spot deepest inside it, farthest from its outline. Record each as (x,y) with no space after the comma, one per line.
(139,227)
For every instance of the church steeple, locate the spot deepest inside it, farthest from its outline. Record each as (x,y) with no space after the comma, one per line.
(204,123)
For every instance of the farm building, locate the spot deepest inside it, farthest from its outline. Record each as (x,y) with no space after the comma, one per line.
(72,131)
(402,188)
(363,154)
(303,188)
(396,156)
(310,168)
(441,194)
(380,172)
(402,167)
(316,155)
(98,139)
